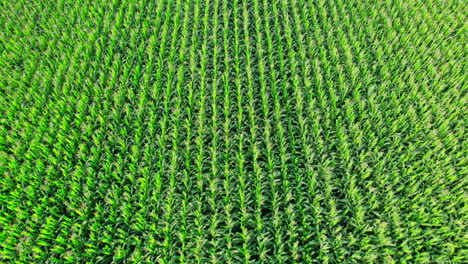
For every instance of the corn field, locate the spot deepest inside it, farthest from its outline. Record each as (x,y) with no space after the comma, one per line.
(240,131)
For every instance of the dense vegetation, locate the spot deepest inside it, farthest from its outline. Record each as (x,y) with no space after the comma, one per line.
(209,131)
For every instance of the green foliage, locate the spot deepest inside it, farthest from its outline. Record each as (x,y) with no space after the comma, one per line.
(209,131)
